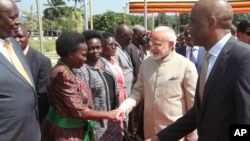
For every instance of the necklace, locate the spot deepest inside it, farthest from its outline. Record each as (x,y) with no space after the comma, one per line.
(67,68)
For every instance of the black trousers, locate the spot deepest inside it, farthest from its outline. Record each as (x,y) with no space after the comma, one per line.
(136,119)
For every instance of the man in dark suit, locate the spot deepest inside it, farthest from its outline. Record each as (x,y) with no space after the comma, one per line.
(226,97)
(18,100)
(194,53)
(40,67)
(136,53)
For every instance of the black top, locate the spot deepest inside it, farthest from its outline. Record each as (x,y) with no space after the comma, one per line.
(111,86)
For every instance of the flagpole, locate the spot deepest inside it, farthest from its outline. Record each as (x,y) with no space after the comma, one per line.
(145,15)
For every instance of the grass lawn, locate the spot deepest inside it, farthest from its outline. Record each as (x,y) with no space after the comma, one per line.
(48,45)
(48,49)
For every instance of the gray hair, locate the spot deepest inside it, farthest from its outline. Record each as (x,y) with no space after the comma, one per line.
(168,32)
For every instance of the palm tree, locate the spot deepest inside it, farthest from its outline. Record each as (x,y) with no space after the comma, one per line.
(76,1)
(54,8)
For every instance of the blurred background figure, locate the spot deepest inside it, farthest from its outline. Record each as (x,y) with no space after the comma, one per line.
(70,97)
(194,53)
(243,31)
(103,84)
(146,45)
(180,40)
(40,66)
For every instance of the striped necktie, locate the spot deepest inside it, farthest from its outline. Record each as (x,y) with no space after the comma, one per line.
(15,61)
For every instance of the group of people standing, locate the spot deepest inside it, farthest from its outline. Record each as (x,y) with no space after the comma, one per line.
(104,83)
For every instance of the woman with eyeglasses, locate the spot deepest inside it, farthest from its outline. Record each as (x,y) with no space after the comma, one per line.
(109,49)
(103,84)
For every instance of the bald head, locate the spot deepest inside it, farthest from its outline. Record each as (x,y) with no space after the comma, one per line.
(6,4)
(220,9)
(124,35)
(123,29)
(8,18)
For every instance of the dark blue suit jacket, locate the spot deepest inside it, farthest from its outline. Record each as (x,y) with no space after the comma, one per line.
(40,66)
(201,54)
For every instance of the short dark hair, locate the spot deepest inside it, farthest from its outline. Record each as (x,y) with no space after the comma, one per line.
(68,42)
(89,34)
(243,25)
(107,35)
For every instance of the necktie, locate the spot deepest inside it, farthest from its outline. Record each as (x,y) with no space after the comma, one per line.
(15,61)
(191,56)
(203,75)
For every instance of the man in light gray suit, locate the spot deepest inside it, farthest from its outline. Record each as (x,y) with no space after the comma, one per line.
(123,36)
(18,100)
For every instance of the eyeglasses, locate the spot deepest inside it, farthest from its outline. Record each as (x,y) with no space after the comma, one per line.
(111,44)
(247,33)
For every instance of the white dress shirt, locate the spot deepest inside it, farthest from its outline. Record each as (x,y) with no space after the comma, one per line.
(3,50)
(215,51)
(195,52)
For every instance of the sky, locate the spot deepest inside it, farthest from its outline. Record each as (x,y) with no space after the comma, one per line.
(98,6)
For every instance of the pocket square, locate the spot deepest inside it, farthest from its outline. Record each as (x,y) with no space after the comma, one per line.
(174,78)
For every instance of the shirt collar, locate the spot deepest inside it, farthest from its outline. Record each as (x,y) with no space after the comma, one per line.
(194,48)
(25,51)
(216,49)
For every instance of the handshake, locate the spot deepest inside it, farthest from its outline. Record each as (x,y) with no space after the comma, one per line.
(116,115)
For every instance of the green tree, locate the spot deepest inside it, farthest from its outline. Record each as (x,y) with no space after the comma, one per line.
(70,19)
(167,20)
(240,16)
(108,21)
(54,9)
(77,1)
(30,20)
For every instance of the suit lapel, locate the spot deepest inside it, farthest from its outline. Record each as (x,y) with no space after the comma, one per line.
(22,60)
(182,50)
(217,68)
(125,56)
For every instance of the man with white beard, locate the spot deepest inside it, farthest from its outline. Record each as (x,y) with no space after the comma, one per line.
(166,81)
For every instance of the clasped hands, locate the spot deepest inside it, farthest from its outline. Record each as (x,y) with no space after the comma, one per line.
(116,115)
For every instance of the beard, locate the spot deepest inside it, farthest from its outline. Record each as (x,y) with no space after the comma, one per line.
(160,55)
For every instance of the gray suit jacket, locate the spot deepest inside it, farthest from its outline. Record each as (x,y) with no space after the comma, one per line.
(18,102)
(225,100)
(127,68)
